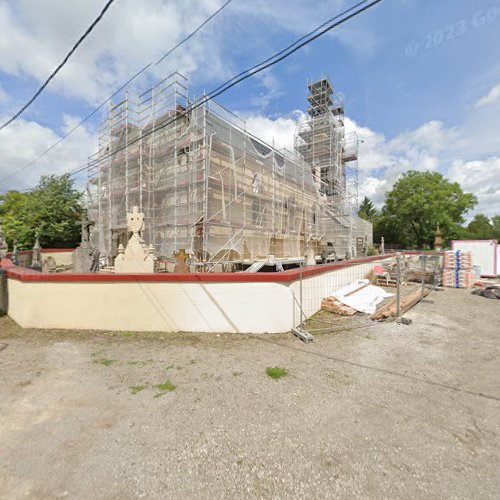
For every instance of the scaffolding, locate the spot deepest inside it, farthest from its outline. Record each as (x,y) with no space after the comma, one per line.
(332,154)
(208,186)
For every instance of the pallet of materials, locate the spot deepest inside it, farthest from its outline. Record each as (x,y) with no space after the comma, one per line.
(457,259)
(457,272)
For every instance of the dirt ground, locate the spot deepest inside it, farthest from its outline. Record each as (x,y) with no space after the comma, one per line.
(385,411)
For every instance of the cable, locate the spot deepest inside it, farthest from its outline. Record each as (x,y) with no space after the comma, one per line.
(246,74)
(294,43)
(61,64)
(207,20)
(65,136)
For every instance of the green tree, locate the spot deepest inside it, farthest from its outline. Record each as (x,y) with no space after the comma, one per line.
(53,209)
(480,228)
(495,222)
(366,210)
(417,203)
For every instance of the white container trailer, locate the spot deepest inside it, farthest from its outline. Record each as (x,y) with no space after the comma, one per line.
(484,254)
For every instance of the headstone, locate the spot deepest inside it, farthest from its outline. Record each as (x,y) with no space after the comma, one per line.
(136,257)
(36,255)
(3,243)
(83,256)
(181,266)
(310,257)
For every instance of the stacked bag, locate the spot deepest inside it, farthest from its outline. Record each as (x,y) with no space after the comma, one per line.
(457,269)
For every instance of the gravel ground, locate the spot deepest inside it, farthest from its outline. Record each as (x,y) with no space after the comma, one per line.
(387,411)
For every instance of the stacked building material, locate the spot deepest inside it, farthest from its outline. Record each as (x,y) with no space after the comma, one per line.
(332,305)
(457,269)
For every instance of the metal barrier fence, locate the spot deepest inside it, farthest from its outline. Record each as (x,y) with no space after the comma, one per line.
(344,299)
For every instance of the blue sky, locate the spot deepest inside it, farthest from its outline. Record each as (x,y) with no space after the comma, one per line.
(420,78)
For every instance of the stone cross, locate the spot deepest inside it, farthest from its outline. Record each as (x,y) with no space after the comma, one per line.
(85,228)
(135,221)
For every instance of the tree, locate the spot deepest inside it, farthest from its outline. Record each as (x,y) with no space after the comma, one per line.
(418,202)
(495,222)
(480,228)
(366,210)
(53,209)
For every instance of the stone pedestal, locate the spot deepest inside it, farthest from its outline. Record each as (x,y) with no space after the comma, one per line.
(136,257)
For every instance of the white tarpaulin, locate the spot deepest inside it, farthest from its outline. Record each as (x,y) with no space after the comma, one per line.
(362,296)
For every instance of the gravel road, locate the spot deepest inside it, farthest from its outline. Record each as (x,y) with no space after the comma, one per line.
(387,411)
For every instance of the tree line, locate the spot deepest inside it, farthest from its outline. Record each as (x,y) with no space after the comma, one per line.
(413,208)
(51,211)
(417,204)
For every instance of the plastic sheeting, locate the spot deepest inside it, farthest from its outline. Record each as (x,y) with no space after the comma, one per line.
(362,296)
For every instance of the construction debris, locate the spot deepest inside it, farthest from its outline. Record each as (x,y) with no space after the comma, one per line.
(332,305)
(411,271)
(361,296)
(389,310)
(489,291)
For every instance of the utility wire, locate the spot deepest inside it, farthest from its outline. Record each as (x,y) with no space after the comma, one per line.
(207,20)
(130,80)
(61,64)
(283,54)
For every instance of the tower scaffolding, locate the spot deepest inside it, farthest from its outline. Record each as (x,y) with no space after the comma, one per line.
(332,154)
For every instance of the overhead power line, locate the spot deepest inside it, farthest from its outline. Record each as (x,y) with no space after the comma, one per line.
(61,65)
(117,91)
(332,23)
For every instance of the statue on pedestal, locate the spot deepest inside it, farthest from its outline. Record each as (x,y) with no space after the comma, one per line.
(136,257)
(36,255)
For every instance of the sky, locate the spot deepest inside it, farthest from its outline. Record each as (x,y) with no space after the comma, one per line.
(420,79)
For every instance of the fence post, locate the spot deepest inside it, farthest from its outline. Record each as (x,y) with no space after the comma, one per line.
(300,297)
(398,284)
(423,258)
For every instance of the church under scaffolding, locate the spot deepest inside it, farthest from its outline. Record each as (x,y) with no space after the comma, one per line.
(208,186)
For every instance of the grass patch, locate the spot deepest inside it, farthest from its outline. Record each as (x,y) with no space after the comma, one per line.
(237,374)
(105,361)
(128,334)
(165,387)
(276,372)
(134,389)
(96,353)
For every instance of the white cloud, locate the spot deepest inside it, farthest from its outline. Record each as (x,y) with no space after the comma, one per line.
(492,96)
(23,141)
(383,160)
(270,89)
(34,36)
(481,177)
(279,131)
